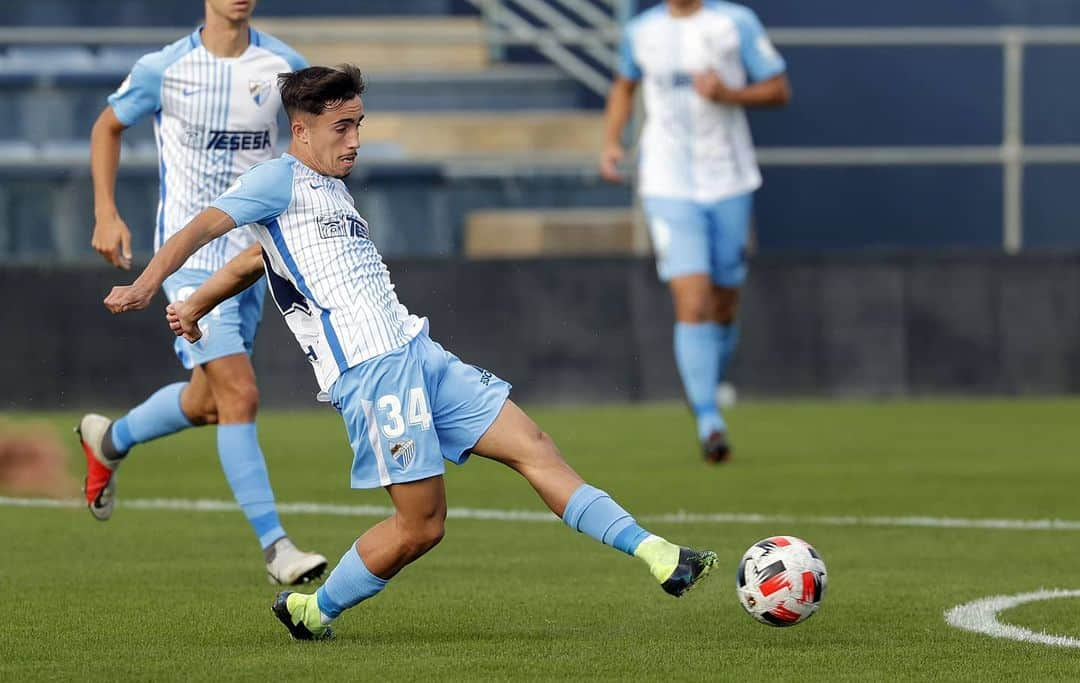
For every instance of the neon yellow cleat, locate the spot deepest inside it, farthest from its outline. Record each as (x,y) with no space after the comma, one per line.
(300,614)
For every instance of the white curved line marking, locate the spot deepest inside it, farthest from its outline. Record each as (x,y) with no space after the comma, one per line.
(980,616)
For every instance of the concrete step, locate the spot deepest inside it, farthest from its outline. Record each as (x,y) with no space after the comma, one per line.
(478,134)
(388,44)
(500,88)
(527,233)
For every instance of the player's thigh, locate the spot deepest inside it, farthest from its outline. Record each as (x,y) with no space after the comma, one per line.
(466,400)
(419,503)
(386,408)
(680,236)
(729,231)
(514,438)
(222,328)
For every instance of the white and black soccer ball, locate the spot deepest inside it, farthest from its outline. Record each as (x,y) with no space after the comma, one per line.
(781,581)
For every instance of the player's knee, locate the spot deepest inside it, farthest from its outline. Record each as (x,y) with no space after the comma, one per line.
(240,397)
(693,309)
(423,536)
(726,312)
(201,413)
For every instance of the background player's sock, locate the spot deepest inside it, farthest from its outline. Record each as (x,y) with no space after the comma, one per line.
(156,416)
(697,354)
(729,340)
(245,469)
(593,513)
(349,584)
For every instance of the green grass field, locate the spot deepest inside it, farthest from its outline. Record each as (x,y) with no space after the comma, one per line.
(172,595)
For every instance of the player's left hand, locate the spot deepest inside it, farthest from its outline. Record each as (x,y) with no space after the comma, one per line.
(709,85)
(128,298)
(181,322)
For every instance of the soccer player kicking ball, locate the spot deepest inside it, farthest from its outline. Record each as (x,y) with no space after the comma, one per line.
(701,63)
(215,103)
(408,404)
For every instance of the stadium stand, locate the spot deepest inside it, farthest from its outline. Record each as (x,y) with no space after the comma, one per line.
(459,124)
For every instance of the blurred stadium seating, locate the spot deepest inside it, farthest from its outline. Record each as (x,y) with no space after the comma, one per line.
(464,118)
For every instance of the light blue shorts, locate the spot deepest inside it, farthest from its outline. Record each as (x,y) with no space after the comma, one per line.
(410,409)
(228,329)
(692,238)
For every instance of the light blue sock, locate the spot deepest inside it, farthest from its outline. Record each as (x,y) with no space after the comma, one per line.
(729,340)
(349,584)
(593,513)
(245,469)
(697,354)
(156,416)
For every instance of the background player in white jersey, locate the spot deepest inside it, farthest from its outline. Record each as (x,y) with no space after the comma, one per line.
(408,404)
(701,63)
(215,102)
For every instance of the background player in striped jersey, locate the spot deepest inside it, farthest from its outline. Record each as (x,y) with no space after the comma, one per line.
(701,63)
(407,403)
(215,102)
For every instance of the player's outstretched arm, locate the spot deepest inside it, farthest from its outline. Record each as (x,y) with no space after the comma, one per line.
(209,224)
(236,276)
(111,239)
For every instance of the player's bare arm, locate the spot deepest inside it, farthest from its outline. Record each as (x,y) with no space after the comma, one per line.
(209,224)
(237,275)
(620,104)
(111,239)
(771,92)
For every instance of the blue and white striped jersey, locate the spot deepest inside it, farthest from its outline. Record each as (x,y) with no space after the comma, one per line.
(691,147)
(214,118)
(324,272)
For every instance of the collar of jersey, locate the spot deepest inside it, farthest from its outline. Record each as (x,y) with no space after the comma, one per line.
(253,41)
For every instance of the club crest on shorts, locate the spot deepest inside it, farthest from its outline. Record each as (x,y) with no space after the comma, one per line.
(403,453)
(260,91)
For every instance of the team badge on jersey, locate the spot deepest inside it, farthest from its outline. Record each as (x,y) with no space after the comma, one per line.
(260,91)
(403,453)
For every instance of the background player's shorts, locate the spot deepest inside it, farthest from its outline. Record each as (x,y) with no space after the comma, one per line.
(228,329)
(692,238)
(409,409)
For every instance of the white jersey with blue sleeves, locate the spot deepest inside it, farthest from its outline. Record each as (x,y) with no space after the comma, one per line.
(214,118)
(324,272)
(692,148)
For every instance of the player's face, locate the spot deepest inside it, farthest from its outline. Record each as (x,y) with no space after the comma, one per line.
(231,10)
(333,137)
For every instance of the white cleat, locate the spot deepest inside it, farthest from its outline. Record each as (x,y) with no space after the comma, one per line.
(100,483)
(291,566)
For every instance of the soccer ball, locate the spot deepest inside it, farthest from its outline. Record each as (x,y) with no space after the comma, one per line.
(781,581)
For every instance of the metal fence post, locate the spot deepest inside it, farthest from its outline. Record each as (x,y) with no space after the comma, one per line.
(1013,142)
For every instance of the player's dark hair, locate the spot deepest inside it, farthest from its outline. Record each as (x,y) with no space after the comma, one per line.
(317,88)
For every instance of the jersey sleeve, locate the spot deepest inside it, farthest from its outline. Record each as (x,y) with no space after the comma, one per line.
(759,56)
(140,93)
(259,195)
(628,65)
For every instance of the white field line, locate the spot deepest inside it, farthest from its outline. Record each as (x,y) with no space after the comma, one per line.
(185,505)
(980,616)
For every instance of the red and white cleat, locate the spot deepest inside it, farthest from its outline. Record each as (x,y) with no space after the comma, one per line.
(100,483)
